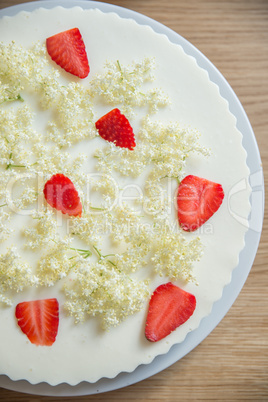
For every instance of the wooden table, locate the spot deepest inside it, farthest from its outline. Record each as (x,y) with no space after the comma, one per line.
(231,364)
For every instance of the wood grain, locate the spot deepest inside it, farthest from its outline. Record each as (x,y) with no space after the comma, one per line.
(231,364)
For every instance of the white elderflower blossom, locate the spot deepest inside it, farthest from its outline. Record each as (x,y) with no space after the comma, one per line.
(24,70)
(15,275)
(122,85)
(90,227)
(109,158)
(56,263)
(107,186)
(122,221)
(16,135)
(156,202)
(52,160)
(5,230)
(5,177)
(9,94)
(75,118)
(139,244)
(17,65)
(27,197)
(170,146)
(44,231)
(172,255)
(101,290)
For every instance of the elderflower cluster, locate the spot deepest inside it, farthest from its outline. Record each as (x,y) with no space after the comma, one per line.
(75,117)
(51,160)
(15,275)
(89,228)
(27,197)
(5,230)
(27,70)
(161,246)
(92,227)
(8,94)
(100,289)
(107,186)
(20,67)
(16,132)
(139,242)
(173,256)
(56,263)
(122,221)
(43,232)
(122,86)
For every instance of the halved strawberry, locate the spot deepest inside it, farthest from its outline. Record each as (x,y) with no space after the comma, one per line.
(68,50)
(39,320)
(197,199)
(60,193)
(169,307)
(115,127)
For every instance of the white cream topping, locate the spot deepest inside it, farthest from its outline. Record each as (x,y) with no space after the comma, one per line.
(84,351)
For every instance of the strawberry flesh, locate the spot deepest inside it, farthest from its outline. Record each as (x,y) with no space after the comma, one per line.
(61,194)
(115,127)
(39,320)
(169,307)
(197,200)
(68,50)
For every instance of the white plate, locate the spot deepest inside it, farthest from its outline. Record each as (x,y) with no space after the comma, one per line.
(247,255)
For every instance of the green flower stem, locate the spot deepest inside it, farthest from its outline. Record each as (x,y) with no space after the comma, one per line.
(16,98)
(97,209)
(105,256)
(120,69)
(97,251)
(14,166)
(84,253)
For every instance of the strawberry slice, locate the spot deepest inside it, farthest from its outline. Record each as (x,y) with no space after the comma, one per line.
(115,127)
(60,193)
(169,307)
(68,50)
(39,320)
(197,199)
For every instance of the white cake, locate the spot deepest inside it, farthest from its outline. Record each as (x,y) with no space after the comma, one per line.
(184,96)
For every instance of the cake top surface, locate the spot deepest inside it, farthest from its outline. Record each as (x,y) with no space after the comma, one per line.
(128,237)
